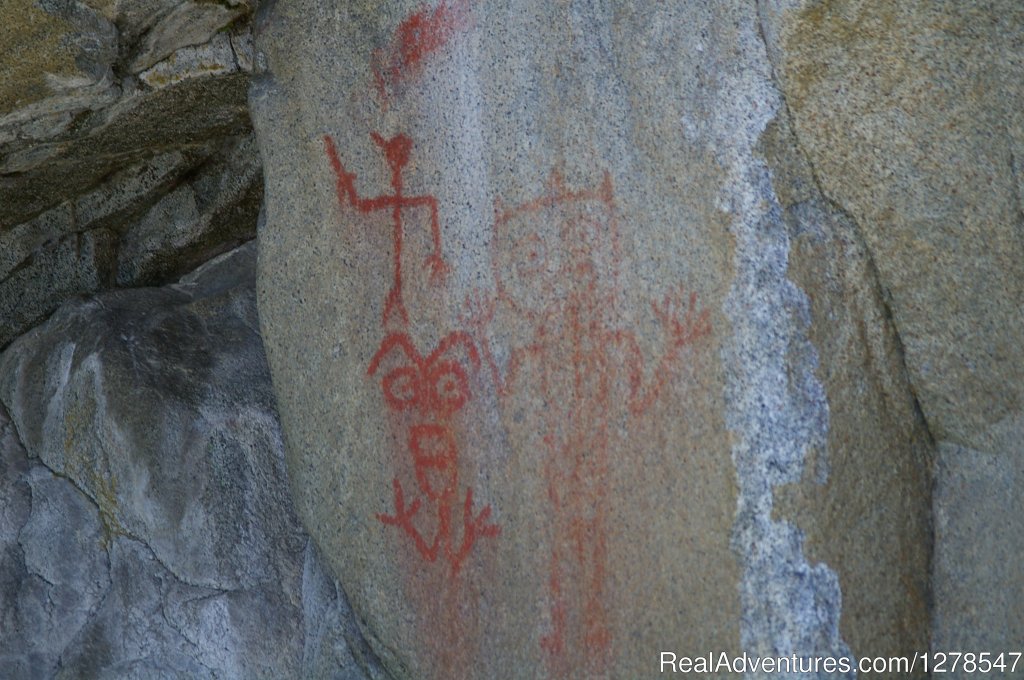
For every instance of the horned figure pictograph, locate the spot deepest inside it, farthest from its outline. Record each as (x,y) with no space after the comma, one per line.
(431,389)
(586,381)
(396,151)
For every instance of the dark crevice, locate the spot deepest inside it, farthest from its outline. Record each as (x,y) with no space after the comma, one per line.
(120,162)
(24,264)
(358,643)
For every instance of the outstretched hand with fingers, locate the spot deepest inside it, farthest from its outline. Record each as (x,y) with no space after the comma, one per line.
(683,327)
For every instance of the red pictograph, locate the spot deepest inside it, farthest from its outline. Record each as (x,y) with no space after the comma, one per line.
(432,389)
(556,266)
(417,37)
(396,151)
(572,370)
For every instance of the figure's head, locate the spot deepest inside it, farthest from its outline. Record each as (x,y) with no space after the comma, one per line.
(396,149)
(561,242)
(434,386)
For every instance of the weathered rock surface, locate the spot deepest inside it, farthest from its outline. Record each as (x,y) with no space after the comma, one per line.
(858,503)
(54,571)
(89,146)
(532,284)
(978,533)
(521,442)
(912,115)
(58,60)
(146,528)
(187,25)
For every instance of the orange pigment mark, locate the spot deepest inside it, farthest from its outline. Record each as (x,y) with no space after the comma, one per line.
(575,360)
(426,385)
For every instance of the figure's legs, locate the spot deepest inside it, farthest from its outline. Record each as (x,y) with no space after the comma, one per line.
(597,636)
(393,303)
(554,643)
(591,544)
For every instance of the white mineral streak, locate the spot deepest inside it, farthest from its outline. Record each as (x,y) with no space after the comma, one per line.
(776,408)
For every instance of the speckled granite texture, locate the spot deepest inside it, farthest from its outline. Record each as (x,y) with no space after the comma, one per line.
(534,287)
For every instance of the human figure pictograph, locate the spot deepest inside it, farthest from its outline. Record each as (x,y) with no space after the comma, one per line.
(396,152)
(431,389)
(556,263)
(570,370)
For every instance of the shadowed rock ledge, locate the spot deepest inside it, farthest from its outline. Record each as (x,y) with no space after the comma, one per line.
(126,155)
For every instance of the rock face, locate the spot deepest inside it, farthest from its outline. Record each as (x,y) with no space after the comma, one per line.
(145,524)
(913,118)
(978,534)
(597,331)
(533,286)
(125,154)
(53,568)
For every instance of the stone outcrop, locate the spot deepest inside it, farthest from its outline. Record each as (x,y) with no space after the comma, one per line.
(590,365)
(146,528)
(120,130)
(912,116)
(597,330)
(54,571)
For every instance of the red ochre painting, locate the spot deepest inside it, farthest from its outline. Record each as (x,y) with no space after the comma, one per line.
(417,37)
(556,263)
(396,151)
(433,388)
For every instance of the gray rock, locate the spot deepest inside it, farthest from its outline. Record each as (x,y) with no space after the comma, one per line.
(214,58)
(861,503)
(182,347)
(821,175)
(70,116)
(211,214)
(133,19)
(53,568)
(74,265)
(159,539)
(86,145)
(145,225)
(18,244)
(36,177)
(335,647)
(911,116)
(188,24)
(978,534)
(124,195)
(130,634)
